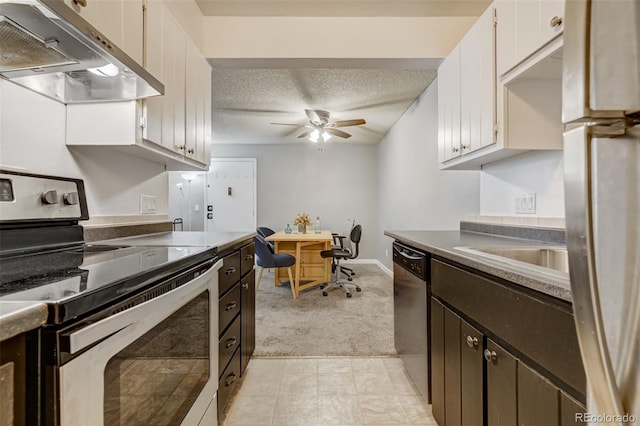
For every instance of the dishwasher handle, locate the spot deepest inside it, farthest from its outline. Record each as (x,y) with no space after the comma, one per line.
(411,260)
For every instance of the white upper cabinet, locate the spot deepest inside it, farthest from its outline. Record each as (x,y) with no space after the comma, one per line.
(525,26)
(177,120)
(121,21)
(466,93)
(173,129)
(483,115)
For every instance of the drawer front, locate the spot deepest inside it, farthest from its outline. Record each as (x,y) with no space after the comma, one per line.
(228,381)
(228,344)
(538,329)
(247,258)
(229,274)
(228,307)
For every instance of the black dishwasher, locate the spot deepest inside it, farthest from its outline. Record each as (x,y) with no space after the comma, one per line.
(411,294)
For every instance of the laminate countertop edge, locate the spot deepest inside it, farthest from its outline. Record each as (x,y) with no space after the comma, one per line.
(19,317)
(444,243)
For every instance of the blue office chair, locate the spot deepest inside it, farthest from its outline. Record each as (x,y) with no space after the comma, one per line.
(266,259)
(342,253)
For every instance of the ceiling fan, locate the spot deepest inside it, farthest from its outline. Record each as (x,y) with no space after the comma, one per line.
(321,127)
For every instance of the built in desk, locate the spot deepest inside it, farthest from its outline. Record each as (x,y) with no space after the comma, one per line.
(310,268)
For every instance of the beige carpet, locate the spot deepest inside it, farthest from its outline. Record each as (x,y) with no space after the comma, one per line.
(334,325)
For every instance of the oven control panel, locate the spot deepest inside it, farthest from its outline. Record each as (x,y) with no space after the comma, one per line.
(28,197)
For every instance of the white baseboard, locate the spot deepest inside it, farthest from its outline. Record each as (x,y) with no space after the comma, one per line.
(371,262)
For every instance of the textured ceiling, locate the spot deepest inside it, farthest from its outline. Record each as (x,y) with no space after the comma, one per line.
(246,100)
(342,7)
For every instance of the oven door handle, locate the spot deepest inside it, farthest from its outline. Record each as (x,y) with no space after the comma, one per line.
(167,303)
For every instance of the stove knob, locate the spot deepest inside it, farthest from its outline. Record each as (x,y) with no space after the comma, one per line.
(71,198)
(50,197)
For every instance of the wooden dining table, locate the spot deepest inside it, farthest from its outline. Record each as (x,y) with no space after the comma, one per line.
(310,269)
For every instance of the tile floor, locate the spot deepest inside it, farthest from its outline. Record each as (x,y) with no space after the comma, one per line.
(340,391)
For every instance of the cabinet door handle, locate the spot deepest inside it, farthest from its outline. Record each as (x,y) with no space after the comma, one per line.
(472,342)
(230,342)
(230,306)
(81,3)
(231,378)
(190,151)
(556,21)
(465,147)
(245,286)
(248,257)
(454,149)
(230,271)
(490,356)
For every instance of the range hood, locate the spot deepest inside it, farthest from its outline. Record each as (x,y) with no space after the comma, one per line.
(46,47)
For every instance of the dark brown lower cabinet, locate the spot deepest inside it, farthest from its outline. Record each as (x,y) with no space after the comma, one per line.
(247,318)
(457,369)
(471,365)
(499,356)
(437,361)
(501,386)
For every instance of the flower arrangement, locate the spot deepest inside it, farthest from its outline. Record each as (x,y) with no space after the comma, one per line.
(302,219)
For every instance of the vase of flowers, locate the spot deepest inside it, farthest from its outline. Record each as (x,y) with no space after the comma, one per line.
(302,220)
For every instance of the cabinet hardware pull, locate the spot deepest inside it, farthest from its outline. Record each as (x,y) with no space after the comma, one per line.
(465,147)
(454,149)
(230,271)
(248,257)
(81,3)
(556,21)
(472,342)
(245,285)
(232,378)
(490,356)
(230,306)
(230,342)
(190,151)
(181,147)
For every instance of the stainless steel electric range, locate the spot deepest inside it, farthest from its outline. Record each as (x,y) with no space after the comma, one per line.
(129,333)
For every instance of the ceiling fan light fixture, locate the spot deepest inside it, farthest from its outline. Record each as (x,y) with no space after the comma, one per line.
(326,136)
(315,135)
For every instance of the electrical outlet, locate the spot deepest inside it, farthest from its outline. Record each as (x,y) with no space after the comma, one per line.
(147,204)
(526,203)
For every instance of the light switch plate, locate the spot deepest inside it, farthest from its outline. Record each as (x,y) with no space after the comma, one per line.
(147,204)
(526,203)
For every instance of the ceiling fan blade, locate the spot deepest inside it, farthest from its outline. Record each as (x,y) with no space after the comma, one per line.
(317,116)
(289,124)
(345,123)
(337,132)
(305,134)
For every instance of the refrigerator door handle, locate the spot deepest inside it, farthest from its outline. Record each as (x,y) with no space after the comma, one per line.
(582,270)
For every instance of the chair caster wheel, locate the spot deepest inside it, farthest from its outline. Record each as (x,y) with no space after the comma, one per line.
(349,279)
(348,295)
(358,289)
(324,293)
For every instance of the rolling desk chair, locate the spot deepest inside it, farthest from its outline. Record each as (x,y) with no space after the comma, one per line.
(338,254)
(266,259)
(338,243)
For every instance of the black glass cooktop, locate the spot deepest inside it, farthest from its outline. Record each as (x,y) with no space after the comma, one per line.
(92,274)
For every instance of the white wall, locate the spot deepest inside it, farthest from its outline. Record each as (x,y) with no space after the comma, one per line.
(413,193)
(539,172)
(32,137)
(336,184)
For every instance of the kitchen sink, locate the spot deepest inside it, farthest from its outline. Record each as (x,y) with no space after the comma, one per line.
(551,257)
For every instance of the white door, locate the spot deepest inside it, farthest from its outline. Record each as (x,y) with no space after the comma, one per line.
(231,195)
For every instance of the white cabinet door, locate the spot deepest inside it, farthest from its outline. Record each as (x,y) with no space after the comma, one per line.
(525,26)
(121,21)
(477,85)
(551,22)
(192,99)
(449,106)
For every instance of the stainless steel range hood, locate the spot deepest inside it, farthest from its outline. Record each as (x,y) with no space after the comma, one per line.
(48,48)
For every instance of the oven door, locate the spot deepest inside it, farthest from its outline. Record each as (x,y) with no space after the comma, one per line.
(154,363)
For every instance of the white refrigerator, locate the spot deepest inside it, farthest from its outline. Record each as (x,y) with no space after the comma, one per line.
(601,112)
